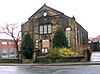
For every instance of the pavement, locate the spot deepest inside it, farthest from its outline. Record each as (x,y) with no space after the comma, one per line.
(51,64)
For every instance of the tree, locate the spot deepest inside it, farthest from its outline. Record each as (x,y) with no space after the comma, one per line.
(59,39)
(10,30)
(27,46)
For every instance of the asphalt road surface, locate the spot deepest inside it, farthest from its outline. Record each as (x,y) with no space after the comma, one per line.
(81,69)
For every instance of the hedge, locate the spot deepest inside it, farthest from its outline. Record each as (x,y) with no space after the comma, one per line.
(10,60)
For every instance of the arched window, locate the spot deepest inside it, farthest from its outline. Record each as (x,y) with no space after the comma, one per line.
(68,29)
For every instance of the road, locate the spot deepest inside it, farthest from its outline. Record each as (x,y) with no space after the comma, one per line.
(80,69)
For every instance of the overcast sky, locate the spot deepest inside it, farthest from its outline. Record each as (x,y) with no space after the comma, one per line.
(86,12)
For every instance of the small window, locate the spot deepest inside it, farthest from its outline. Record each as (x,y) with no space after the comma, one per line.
(5,52)
(37,44)
(5,43)
(12,51)
(11,43)
(44,50)
(45,14)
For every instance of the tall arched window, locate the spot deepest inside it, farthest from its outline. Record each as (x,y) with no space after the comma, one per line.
(68,29)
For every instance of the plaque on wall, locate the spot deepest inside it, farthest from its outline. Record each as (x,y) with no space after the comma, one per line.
(45,43)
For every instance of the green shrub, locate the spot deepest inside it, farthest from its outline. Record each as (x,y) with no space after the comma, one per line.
(10,60)
(59,39)
(67,52)
(60,52)
(61,55)
(27,46)
(53,53)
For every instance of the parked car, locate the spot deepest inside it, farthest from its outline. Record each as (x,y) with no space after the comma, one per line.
(95,57)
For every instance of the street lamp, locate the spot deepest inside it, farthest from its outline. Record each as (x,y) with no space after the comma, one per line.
(68,35)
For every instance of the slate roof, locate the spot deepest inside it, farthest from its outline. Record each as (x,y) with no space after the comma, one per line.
(96,39)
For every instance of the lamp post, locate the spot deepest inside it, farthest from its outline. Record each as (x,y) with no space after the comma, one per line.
(68,35)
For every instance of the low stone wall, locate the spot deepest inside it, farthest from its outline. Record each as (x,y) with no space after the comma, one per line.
(43,59)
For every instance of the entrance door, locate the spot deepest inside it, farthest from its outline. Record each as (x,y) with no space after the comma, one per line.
(45,46)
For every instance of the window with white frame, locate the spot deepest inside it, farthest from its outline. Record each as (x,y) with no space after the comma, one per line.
(41,29)
(37,44)
(44,29)
(45,14)
(5,52)
(12,51)
(5,43)
(11,43)
(44,50)
(68,29)
(49,28)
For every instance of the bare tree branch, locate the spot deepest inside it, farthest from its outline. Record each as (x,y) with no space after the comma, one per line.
(9,30)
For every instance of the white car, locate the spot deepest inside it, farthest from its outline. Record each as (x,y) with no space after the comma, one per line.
(95,57)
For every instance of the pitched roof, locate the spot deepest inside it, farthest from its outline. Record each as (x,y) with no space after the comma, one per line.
(96,39)
(98,36)
(45,8)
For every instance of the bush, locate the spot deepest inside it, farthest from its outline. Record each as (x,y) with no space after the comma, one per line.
(60,55)
(60,52)
(53,53)
(10,60)
(67,52)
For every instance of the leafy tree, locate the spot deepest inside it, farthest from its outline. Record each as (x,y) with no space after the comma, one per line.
(59,39)
(27,46)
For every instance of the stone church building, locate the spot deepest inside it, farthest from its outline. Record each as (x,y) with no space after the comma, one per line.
(43,24)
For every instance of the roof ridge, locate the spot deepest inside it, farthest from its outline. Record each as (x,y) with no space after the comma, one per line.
(47,7)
